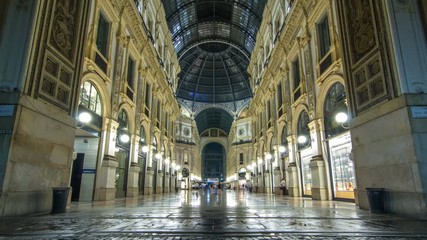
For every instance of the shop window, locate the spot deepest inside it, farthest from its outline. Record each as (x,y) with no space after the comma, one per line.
(343,176)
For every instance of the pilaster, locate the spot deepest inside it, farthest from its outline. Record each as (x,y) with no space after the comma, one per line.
(318,187)
(107,189)
(293,185)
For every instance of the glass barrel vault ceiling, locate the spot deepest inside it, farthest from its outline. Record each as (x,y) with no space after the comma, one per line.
(214,40)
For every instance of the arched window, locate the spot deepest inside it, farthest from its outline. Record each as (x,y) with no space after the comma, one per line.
(334,103)
(284,140)
(89,98)
(142,135)
(303,132)
(123,129)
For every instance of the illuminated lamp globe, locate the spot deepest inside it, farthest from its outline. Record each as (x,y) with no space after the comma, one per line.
(282,149)
(302,139)
(85,117)
(144,149)
(341,117)
(124,138)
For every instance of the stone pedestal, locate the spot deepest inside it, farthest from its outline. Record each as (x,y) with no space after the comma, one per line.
(159,185)
(166,188)
(148,189)
(318,188)
(107,189)
(132,189)
(173,183)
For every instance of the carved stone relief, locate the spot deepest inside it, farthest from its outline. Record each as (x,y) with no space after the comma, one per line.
(64,27)
(59,66)
(310,82)
(361,28)
(117,82)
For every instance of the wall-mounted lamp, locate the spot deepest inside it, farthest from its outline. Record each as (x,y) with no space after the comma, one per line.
(342,118)
(158,156)
(84,118)
(177,167)
(302,139)
(144,149)
(282,149)
(124,138)
(268,156)
(253,164)
(167,160)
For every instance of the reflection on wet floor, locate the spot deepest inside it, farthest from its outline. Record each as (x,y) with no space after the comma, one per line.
(201,214)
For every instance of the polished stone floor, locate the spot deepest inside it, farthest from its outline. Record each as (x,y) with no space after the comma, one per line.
(203,215)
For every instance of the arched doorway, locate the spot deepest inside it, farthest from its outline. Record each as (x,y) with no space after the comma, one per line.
(339,144)
(122,154)
(304,152)
(142,159)
(86,143)
(213,162)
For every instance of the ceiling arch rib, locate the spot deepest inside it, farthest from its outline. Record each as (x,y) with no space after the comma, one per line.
(198,81)
(244,52)
(229,82)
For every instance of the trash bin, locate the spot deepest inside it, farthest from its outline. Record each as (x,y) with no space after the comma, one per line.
(59,199)
(376,199)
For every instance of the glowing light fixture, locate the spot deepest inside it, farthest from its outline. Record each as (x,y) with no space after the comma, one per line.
(282,149)
(144,149)
(302,139)
(124,138)
(341,117)
(85,117)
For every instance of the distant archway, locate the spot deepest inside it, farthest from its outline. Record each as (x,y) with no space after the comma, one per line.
(213,161)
